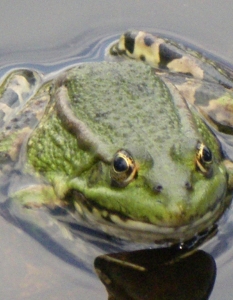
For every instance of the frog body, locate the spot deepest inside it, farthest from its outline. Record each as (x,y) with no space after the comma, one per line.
(130,148)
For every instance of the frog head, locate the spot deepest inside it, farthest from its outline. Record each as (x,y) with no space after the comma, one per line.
(123,147)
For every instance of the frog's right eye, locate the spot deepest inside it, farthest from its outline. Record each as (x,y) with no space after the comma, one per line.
(123,168)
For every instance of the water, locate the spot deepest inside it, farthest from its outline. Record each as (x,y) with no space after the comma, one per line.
(51,36)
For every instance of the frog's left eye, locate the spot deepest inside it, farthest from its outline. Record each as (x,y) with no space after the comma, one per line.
(123,168)
(204,158)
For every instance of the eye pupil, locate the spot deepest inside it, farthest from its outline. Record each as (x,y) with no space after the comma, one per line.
(204,159)
(120,165)
(207,155)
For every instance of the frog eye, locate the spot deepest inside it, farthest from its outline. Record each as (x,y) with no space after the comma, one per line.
(123,168)
(204,158)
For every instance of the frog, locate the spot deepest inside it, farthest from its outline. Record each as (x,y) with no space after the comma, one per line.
(132,146)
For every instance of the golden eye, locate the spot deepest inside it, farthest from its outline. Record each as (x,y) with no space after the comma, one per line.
(123,168)
(204,158)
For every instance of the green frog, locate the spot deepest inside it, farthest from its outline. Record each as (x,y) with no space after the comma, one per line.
(132,145)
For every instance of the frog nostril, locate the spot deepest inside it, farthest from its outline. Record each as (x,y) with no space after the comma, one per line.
(188,185)
(158,188)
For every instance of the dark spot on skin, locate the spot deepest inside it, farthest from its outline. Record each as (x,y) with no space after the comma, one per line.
(130,41)
(167,54)
(142,58)
(14,120)
(202,97)
(30,77)
(187,74)
(188,185)
(27,119)
(119,52)
(102,115)
(115,51)
(227,86)
(10,98)
(158,188)
(148,40)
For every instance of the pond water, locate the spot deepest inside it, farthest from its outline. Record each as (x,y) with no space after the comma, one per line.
(49,37)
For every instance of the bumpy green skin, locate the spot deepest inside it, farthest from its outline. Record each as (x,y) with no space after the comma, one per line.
(124,106)
(96,109)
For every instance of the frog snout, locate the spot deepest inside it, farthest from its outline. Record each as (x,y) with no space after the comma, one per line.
(158,188)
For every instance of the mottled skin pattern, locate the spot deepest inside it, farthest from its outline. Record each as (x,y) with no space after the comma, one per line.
(125,145)
(213,101)
(169,56)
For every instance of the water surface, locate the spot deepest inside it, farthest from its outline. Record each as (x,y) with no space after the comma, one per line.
(52,35)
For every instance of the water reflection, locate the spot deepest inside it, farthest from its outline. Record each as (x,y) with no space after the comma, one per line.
(157,274)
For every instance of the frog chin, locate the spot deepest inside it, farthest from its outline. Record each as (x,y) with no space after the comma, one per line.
(114,224)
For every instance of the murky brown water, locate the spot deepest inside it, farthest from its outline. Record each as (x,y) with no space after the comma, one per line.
(51,35)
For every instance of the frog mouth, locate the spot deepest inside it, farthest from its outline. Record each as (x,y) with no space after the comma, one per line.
(113,223)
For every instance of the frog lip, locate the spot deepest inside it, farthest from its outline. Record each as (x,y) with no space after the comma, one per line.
(117,225)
